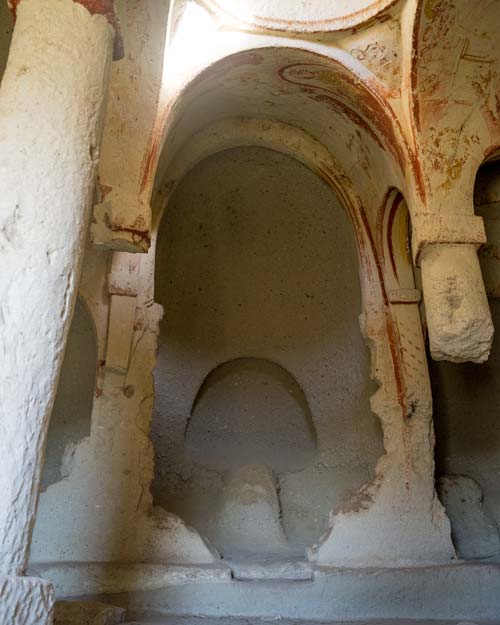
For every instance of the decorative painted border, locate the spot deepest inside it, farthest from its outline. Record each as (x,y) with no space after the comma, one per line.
(341,22)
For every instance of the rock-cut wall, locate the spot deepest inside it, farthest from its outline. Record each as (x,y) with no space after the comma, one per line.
(256,260)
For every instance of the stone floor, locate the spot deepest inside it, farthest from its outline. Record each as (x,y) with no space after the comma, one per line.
(180,620)
(99,613)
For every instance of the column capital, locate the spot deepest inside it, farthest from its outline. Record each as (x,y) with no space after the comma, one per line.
(437,228)
(94,7)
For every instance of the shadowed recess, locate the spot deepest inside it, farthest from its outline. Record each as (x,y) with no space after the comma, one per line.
(256,267)
(71,415)
(247,411)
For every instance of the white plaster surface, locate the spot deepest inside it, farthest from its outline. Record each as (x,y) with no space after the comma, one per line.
(310,15)
(271,569)
(112,517)
(122,214)
(458,316)
(72,580)
(379,514)
(51,105)
(422,131)
(25,601)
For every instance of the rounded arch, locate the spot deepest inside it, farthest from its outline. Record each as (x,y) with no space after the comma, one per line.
(312,284)
(394,242)
(274,135)
(486,206)
(331,98)
(337,122)
(251,411)
(280,16)
(350,115)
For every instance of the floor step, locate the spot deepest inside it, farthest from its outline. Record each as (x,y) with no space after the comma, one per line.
(272,570)
(183,620)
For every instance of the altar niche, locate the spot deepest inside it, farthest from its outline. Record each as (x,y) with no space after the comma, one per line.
(262,423)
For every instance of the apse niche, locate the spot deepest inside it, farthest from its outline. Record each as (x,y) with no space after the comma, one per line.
(262,423)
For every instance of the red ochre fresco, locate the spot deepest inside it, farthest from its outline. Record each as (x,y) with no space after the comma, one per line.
(367,250)
(216,71)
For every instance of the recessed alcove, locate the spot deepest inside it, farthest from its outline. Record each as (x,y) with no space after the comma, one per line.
(262,379)
(466,399)
(250,411)
(72,412)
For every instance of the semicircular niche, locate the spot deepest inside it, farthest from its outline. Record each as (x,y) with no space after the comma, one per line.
(305,16)
(251,411)
(262,422)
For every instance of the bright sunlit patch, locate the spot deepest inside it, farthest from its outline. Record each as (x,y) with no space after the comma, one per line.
(188,48)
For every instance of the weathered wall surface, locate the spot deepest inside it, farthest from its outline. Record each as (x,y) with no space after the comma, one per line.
(122,214)
(103,506)
(71,416)
(6,28)
(250,411)
(466,400)
(43,229)
(25,601)
(256,258)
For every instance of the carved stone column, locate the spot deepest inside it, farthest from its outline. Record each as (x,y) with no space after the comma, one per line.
(457,311)
(458,316)
(52,100)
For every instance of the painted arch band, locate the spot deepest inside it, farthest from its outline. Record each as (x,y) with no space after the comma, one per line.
(309,16)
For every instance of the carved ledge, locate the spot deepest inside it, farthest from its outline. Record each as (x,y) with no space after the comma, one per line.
(436,228)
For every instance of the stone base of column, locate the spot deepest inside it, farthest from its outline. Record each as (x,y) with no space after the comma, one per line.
(25,601)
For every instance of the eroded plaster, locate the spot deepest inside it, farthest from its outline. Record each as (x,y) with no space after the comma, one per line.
(396,111)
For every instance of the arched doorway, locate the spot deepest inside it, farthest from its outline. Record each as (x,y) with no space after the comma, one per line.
(306,106)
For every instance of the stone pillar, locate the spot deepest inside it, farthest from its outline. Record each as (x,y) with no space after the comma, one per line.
(52,101)
(457,311)
(458,316)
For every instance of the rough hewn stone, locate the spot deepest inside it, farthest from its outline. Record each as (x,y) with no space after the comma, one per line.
(396,117)
(87,613)
(51,110)
(25,601)
(249,511)
(457,312)
(473,533)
